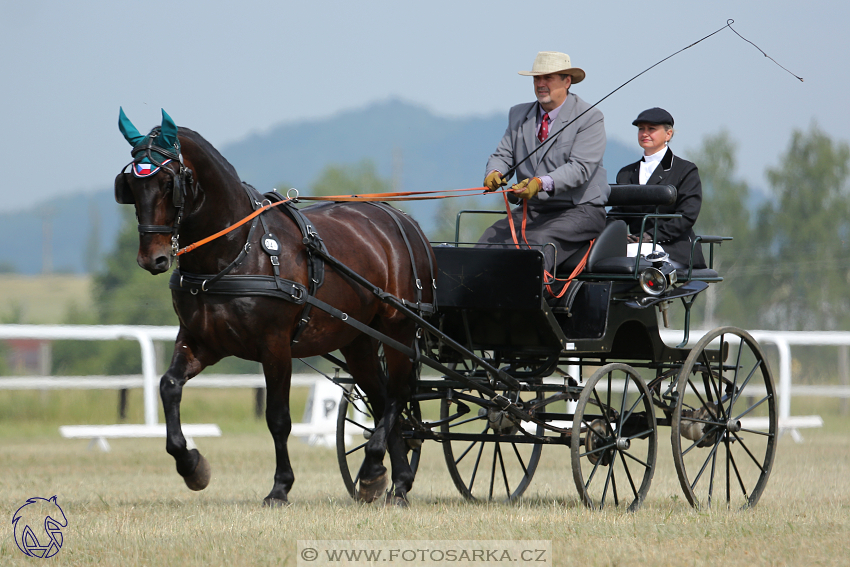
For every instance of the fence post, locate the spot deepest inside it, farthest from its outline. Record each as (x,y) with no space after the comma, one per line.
(844,374)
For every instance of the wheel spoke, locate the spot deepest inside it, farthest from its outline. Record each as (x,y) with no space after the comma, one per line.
(699,397)
(605,410)
(745,448)
(641,397)
(737,368)
(592,473)
(607,484)
(752,407)
(628,475)
(493,471)
(504,474)
(614,483)
(360,425)
(737,394)
(462,455)
(465,421)
(704,465)
(632,457)
(711,478)
(519,458)
(738,474)
(728,472)
(475,468)
(356,448)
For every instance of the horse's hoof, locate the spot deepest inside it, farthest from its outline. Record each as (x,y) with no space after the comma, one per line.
(269,502)
(370,490)
(393,500)
(199,479)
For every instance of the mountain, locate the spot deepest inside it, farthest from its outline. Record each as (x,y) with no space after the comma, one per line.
(407,143)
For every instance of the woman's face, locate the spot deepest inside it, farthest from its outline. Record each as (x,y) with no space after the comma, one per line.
(652,137)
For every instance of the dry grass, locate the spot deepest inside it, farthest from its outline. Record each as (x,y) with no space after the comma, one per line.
(129,507)
(43,299)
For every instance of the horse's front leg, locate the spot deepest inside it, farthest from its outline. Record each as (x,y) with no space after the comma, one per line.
(278,372)
(188,360)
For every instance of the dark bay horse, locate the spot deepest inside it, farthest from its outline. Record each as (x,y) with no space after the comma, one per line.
(184,191)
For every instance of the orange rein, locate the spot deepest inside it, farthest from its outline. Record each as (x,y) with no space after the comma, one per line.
(259,211)
(550,278)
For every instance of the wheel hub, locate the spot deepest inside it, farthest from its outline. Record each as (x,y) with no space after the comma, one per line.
(597,437)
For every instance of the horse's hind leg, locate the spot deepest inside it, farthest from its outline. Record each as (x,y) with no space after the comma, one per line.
(278,371)
(187,361)
(388,395)
(400,377)
(362,359)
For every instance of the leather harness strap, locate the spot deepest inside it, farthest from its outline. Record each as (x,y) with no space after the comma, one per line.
(294,292)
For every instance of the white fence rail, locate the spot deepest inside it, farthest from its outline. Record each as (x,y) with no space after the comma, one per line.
(148,380)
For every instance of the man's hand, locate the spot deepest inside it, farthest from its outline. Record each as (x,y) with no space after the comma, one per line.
(527,188)
(494,181)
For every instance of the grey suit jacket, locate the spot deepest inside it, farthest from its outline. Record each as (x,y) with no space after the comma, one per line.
(573,161)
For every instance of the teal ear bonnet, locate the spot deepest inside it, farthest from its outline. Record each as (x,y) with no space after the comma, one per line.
(162,140)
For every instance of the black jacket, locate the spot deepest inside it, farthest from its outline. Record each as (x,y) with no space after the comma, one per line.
(675,235)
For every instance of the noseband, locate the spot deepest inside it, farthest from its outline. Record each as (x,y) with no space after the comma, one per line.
(180,181)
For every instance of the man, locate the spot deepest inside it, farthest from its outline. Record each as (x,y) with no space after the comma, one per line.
(564,182)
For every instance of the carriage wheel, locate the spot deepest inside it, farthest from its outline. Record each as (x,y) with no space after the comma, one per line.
(724,425)
(356,420)
(488,465)
(614,439)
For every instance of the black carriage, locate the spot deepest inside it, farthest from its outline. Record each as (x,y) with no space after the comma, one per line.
(588,372)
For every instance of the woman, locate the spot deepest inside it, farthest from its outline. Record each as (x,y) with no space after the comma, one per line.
(660,167)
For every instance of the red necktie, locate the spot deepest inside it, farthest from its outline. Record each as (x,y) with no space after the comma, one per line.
(544,128)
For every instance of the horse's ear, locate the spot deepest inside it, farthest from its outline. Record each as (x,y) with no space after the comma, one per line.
(168,129)
(131,134)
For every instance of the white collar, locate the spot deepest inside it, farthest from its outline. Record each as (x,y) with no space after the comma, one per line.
(657,156)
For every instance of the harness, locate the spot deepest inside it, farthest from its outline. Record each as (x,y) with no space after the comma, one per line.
(317,255)
(180,179)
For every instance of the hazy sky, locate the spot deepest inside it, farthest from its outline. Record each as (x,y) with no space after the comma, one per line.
(227,69)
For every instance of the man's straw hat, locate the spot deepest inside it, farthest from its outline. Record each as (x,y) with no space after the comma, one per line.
(548,62)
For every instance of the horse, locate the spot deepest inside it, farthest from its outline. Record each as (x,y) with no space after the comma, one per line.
(184,190)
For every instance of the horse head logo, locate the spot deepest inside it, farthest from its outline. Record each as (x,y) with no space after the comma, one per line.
(38,526)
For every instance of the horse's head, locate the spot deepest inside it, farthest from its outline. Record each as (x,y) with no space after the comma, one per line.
(158,184)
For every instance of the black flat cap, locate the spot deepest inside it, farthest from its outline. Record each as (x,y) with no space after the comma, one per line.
(654,116)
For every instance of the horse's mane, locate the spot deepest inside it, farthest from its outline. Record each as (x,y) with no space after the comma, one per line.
(212,153)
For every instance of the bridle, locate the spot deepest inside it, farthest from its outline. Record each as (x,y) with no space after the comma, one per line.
(181,179)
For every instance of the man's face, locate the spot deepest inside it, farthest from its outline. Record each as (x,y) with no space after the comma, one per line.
(551,90)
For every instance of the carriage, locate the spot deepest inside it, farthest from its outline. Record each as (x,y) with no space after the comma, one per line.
(588,372)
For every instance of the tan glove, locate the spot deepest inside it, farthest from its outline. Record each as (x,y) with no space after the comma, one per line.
(528,188)
(494,181)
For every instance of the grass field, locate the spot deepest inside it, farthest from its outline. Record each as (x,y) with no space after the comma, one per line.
(38,300)
(129,507)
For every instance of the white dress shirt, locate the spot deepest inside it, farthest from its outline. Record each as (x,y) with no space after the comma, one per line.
(649,163)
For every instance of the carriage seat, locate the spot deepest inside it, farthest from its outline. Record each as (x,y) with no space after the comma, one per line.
(608,256)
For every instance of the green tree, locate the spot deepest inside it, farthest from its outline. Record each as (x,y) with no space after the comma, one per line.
(353,179)
(809,230)
(725,212)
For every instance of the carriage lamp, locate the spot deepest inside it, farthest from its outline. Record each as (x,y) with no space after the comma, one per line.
(660,277)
